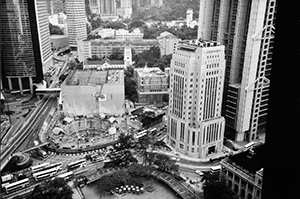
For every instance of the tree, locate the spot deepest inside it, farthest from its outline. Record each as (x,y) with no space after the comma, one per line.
(131,89)
(117,54)
(165,163)
(114,25)
(54,189)
(55,30)
(120,155)
(215,187)
(136,24)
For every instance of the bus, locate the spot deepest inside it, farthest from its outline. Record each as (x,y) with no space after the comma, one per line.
(39,167)
(249,145)
(153,131)
(66,176)
(11,187)
(6,178)
(97,158)
(141,134)
(215,169)
(76,164)
(45,174)
(59,164)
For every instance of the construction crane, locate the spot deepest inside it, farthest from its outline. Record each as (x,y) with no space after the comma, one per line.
(98,95)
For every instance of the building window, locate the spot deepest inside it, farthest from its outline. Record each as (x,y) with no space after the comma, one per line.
(259,181)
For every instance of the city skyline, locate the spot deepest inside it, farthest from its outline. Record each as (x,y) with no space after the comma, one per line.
(88,88)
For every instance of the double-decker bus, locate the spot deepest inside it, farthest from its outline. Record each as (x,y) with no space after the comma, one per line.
(76,164)
(39,167)
(153,131)
(6,178)
(66,176)
(141,134)
(215,169)
(11,187)
(45,174)
(59,164)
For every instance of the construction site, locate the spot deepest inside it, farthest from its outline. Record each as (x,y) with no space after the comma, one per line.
(92,92)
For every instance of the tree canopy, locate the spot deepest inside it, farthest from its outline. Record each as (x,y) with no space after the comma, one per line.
(170,10)
(55,30)
(130,85)
(54,189)
(117,54)
(152,58)
(215,187)
(121,155)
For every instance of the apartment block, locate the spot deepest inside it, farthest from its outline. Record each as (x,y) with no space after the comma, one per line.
(103,6)
(246,28)
(195,124)
(76,20)
(167,43)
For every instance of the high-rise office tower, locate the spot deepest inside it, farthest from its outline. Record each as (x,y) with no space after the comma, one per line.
(189,17)
(126,6)
(195,124)
(103,6)
(44,33)
(246,28)
(76,21)
(55,6)
(25,43)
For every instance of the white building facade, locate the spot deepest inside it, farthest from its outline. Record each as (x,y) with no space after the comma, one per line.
(247,30)
(195,124)
(167,43)
(76,19)
(189,17)
(44,33)
(125,34)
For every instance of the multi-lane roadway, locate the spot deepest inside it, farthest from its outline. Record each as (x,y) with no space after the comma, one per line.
(29,129)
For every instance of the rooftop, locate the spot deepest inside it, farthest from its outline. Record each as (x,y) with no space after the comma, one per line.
(58,36)
(193,44)
(155,71)
(251,160)
(86,77)
(101,62)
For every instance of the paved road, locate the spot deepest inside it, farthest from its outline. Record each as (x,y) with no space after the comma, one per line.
(37,125)
(28,127)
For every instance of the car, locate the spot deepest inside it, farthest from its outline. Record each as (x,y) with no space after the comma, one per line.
(200,173)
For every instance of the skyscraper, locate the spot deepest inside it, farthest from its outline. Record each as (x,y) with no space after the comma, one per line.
(25,43)
(246,28)
(44,33)
(195,124)
(76,21)
(189,17)
(103,6)
(55,6)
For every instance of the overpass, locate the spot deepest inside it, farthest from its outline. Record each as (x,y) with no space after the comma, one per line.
(41,91)
(33,148)
(39,114)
